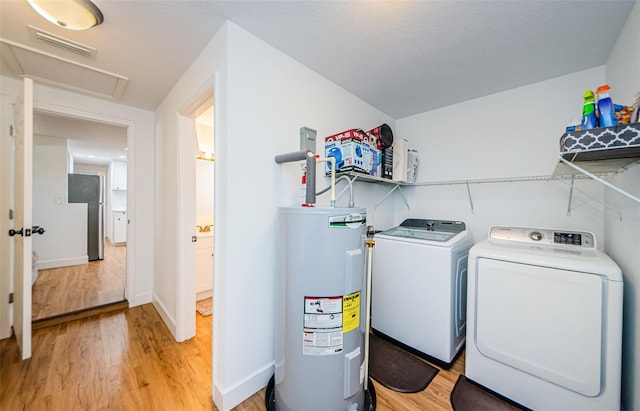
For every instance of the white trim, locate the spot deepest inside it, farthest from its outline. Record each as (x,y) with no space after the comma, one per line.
(62,262)
(140,299)
(164,314)
(186,157)
(186,278)
(243,389)
(201,295)
(6,200)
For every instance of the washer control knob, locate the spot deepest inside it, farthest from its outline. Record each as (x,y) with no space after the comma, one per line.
(536,236)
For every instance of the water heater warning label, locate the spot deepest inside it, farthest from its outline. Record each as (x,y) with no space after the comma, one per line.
(322,334)
(351,312)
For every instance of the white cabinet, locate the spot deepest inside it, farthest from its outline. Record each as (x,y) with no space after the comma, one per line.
(118,175)
(119,235)
(204,264)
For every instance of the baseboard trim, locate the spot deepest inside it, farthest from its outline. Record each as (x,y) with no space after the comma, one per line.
(225,400)
(166,317)
(201,295)
(62,262)
(79,314)
(141,299)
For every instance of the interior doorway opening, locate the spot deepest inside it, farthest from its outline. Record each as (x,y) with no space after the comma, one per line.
(81,264)
(196,216)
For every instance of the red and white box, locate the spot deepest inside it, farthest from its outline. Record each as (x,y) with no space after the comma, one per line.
(354,150)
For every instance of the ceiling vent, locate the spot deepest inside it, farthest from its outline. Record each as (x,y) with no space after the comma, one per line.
(50,69)
(62,43)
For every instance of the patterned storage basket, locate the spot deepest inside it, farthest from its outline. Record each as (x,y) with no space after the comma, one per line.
(602,143)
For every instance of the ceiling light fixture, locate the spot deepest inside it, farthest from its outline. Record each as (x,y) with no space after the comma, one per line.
(69,14)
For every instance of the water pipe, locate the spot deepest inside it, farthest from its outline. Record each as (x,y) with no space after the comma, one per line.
(291,157)
(367,318)
(348,180)
(311,172)
(310,197)
(311,169)
(332,162)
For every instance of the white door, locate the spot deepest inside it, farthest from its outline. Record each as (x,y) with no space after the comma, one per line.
(23,150)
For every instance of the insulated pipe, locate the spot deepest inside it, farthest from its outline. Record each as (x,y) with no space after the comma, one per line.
(311,178)
(293,156)
(367,318)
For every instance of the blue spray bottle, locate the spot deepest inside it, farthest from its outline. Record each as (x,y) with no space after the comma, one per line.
(589,119)
(605,107)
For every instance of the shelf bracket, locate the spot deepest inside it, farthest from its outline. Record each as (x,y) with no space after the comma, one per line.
(470,198)
(406,203)
(602,181)
(396,187)
(612,209)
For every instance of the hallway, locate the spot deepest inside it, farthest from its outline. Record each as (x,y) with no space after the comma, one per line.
(69,289)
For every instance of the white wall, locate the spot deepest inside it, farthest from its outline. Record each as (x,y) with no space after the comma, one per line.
(174,252)
(141,182)
(509,134)
(258,115)
(267,104)
(65,241)
(623,234)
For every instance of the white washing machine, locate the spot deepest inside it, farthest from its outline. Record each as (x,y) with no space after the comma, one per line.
(544,320)
(418,296)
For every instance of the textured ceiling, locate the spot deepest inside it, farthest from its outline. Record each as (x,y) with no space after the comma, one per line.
(402,57)
(407,57)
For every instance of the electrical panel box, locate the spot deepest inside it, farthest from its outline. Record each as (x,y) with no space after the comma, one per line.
(308,139)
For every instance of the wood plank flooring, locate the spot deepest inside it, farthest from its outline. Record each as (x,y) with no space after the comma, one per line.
(70,289)
(130,361)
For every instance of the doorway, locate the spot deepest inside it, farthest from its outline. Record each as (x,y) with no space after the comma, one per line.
(196,229)
(204,206)
(71,279)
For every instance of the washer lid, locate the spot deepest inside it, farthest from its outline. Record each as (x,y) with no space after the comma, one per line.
(419,233)
(424,229)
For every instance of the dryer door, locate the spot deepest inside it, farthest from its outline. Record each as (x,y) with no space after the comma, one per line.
(543,321)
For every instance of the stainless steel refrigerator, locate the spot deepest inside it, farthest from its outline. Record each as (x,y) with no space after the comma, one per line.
(89,189)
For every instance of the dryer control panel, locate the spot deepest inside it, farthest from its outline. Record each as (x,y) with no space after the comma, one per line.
(543,236)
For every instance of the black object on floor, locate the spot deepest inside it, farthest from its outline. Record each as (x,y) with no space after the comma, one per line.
(469,396)
(370,399)
(397,369)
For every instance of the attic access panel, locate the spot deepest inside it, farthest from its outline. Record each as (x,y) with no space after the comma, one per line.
(49,69)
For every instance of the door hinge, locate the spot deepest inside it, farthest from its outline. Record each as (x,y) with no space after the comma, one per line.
(11,131)
(11,214)
(10,298)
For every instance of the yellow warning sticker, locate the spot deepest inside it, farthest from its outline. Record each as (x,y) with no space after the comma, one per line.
(350,312)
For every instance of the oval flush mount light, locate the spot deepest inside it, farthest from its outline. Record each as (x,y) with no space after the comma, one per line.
(69,14)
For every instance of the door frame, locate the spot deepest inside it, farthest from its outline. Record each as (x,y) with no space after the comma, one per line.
(6,244)
(186,156)
(64,111)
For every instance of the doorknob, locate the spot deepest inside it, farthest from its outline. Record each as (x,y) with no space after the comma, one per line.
(13,232)
(36,229)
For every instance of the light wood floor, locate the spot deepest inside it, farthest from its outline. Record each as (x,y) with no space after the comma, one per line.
(130,361)
(68,289)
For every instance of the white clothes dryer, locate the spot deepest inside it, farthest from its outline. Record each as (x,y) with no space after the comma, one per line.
(418,296)
(544,319)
